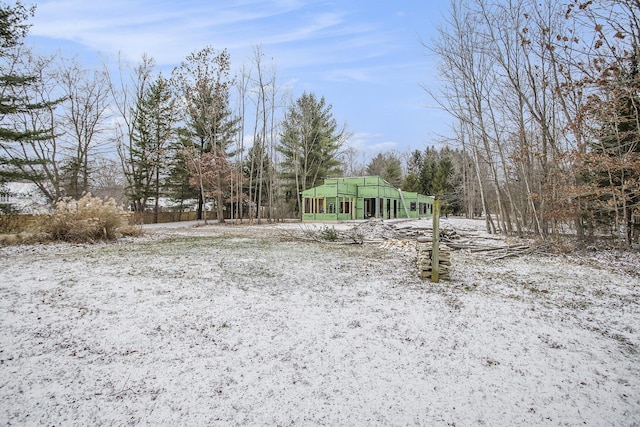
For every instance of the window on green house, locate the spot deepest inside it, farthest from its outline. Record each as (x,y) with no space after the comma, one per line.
(331,209)
(314,205)
(413,206)
(345,206)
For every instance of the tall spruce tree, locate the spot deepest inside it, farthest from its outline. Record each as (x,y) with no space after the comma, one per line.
(153,131)
(13,98)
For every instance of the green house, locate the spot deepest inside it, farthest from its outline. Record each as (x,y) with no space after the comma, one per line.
(362,197)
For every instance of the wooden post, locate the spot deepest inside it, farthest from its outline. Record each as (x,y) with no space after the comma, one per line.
(435,258)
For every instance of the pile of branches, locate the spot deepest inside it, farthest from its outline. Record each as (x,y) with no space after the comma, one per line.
(494,247)
(327,234)
(372,231)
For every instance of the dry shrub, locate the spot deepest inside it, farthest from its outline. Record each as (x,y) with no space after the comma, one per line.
(23,237)
(85,220)
(131,230)
(9,239)
(10,223)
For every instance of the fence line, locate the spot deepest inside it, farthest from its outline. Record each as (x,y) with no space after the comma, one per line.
(149,217)
(17,223)
(12,223)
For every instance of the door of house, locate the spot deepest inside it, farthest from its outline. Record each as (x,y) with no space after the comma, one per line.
(369,207)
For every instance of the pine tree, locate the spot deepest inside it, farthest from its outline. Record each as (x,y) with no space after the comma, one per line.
(388,167)
(440,176)
(177,186)
(428,170)
(153,131)
(612,165)
(310,142)
(13,29)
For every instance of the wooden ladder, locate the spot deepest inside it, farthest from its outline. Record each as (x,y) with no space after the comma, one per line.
(404,203)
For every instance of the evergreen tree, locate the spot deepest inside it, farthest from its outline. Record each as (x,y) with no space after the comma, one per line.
(612,165)
(428,171)
(153,130)
(310,142)
(414,162)
(13,98)
(411,182)
(177,186)
(440,177)
(388,167)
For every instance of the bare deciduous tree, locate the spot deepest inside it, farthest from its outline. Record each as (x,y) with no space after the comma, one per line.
(204,84)
(84,113)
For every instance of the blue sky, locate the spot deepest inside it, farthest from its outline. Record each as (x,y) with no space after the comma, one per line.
(364,57)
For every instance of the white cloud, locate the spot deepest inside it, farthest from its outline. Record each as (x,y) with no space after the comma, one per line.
(382,147)
(298,33)
(168,31)
(370,144)
(359,140)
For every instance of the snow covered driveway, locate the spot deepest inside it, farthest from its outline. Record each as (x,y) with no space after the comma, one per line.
(244,326)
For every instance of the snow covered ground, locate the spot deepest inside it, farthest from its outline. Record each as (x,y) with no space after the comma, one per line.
(238,325)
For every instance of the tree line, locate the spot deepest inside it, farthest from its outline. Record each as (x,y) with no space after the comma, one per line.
(231,145)
(545,99)
(544,96)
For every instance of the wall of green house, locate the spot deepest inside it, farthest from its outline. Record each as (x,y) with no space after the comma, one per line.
(419,206)
(342,199)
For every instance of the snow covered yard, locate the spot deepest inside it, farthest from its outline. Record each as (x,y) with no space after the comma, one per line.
(224,325)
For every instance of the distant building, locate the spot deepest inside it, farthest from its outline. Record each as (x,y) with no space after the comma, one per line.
(341,199)
(22,197)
